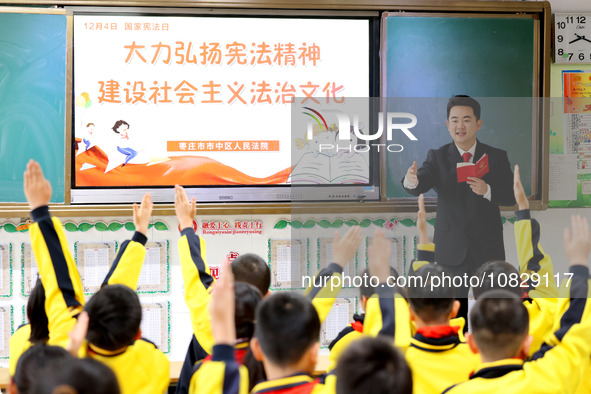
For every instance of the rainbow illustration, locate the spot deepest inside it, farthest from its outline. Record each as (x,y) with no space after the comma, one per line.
(315,118)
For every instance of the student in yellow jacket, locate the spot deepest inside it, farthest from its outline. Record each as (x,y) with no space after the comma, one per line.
(286,340)
(199,282)
(500,333)
(139,366)
(438,357)
(535,281)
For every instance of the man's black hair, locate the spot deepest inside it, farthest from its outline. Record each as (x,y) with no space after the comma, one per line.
(463,100)
(115,315)
(430,296)
(494,273)
(251,268)
(499,323)
(287,325)
(373,365)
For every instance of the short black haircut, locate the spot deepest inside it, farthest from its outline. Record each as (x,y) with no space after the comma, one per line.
(494,273)
(287,325)
(251,268)
(430,300)
(247,298)
(32,363)
(366,289)
(463,100)
(84,376)
(372,365)
(36,314)
(115,315)
(499,323)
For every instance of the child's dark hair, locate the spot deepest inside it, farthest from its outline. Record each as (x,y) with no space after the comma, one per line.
(247,299)
(118,124)
(36,314)
(81,376)
(372,365)
(115,314)
(432,302)
(251,268)
(491,272)
(32,363)
(366,289)
(499,323)
(287,325)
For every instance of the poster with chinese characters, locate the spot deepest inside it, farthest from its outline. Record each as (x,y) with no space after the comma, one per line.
(203,100)
(570,167)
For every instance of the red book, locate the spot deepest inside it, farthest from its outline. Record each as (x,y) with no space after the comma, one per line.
(476,170)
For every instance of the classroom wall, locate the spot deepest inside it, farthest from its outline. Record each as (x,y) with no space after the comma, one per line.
(552,224)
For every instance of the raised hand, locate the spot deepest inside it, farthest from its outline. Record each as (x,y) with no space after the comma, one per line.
(411,174)
(344,249)
(379,253)
(222,306)
(422,221)
(520,197)
(142,214)
(185,209)
(577,242)
(37,188)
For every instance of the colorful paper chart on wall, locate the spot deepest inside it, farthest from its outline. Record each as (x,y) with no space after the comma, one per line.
(570,171)
(398,258)
(155,324)
(94,260)
(5,270)
(29,270)
(154,277)
(289,263)
(325,258)
(339,317)
(6,328)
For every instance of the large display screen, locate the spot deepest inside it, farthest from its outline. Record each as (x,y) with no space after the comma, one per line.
(204,101)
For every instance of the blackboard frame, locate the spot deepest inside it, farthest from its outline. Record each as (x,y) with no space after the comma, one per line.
(542,9)
(540,122)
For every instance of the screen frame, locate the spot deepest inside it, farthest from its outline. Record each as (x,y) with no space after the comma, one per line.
(236,193)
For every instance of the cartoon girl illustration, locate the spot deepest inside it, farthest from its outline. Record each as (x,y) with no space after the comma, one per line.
(121,127)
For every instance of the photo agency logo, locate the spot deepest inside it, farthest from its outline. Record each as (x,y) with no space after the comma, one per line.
(347,136)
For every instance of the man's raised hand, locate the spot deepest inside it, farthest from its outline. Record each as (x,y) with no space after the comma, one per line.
(411,174)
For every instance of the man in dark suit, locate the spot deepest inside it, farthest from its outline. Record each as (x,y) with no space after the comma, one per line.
(468,228)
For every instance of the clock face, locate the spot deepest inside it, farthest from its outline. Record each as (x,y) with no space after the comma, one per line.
(572,38)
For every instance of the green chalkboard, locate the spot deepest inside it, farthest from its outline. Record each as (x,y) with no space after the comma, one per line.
(32,100)
(426,60)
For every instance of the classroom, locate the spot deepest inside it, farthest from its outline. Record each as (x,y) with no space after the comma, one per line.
(116,99)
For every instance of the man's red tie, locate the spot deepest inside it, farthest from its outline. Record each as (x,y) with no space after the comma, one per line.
(466,156)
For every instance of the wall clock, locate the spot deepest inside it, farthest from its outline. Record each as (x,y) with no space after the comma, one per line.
(572,38)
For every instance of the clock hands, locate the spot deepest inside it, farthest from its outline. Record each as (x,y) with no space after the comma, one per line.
(579,38)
